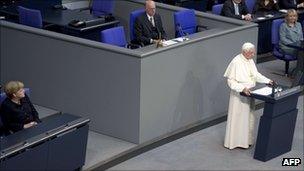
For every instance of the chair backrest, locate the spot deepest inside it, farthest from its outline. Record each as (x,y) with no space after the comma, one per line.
(275,29)
(30,17)
(186,21)
(102,7)
(217,9)
(114,36)
(250,4)
(133,16)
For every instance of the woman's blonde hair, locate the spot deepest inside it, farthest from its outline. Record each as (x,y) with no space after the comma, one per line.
(12,87)
(290,12)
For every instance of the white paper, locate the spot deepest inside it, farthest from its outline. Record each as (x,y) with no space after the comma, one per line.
(283,10)
(174,41)
(181,39)
(169,42)
(261,18)
(263,91)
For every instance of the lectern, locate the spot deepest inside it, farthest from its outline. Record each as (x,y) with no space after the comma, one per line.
(277,124)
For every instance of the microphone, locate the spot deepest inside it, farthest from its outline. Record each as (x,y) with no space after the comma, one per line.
(274,86)
(180,30)
(159,44)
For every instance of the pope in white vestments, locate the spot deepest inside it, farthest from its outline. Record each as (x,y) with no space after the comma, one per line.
(241,75)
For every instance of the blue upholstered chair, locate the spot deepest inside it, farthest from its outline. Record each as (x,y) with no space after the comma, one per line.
(3,131)
(275,39)
(133,16)
(185,23)
(102,7)
(116,36)
(250,5)
(30,17)
(217,9)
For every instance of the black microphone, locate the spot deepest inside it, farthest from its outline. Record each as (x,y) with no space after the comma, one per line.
(159,37)
(158,33)
(274,86)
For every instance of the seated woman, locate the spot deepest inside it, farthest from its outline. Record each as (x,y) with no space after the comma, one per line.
(290,32)
(17,111)
(265,6)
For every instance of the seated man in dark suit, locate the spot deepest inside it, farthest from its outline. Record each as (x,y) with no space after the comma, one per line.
(148,27)
(236,9)
(292,4)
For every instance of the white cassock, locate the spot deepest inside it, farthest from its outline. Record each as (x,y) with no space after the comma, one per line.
(241,73)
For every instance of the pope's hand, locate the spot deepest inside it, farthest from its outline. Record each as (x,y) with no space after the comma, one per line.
(246,91)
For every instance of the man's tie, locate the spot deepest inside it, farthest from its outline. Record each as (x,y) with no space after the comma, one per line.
(236,8)
(152,21)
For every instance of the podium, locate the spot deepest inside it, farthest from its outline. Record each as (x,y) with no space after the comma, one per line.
(277,124)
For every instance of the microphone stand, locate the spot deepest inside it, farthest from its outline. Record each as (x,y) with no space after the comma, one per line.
(158,44)
(274,86)
(182,33)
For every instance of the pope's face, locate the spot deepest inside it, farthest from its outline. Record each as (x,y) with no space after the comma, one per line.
(249,54)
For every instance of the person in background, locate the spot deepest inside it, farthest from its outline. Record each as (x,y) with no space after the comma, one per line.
(236,9)
(242,75)
(292,4)
(290,32)
(148,27)
(17,111)
(265,6)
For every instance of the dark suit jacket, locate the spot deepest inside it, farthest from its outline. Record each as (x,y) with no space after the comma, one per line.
(288,4)
(228,9)
(144,30)
(261,7)
(14,116)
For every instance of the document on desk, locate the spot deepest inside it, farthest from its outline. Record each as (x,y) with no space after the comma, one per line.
(174,41)
(265,91)
(169,42)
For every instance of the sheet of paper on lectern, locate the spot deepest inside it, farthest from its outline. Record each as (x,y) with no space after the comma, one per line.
(174,41)
(265,91)
(169,42)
